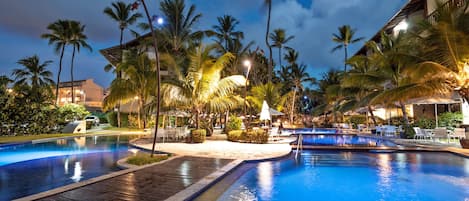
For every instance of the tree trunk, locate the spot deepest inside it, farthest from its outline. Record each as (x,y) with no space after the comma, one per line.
(58,76)
(404,113)
(345,60)
(119,75)
(71,75)
(280,56)
(158,86)
(293,106)
(270,62)
(140,104)
(372,115)
(197,119)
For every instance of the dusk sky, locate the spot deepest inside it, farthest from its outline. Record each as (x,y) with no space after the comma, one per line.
(312,22)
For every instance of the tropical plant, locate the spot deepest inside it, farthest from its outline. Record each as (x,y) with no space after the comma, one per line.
(446,49)
(138,84)
(77,40)
(122,14)
(279,39)
(71,112)
(225,31)
(34,73)
(450,120)
(59,36)
(202,89)
(345,37)
(270,92)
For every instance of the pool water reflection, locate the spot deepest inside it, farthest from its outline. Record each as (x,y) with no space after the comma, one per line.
(32,168)
(328,175)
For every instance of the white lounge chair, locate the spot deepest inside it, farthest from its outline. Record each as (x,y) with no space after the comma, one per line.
(459,133)
(419,133)
(273,132)
(441,133)
(390,131)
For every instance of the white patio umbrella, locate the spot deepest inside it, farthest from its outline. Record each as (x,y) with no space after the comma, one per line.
(265,112)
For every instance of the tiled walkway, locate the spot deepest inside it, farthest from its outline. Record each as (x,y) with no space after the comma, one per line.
(157,182)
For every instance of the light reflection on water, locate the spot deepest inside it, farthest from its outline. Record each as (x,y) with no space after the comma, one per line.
(327,175)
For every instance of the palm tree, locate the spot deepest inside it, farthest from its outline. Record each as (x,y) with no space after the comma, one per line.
(59,37)
(122,14)
(299,76)
(77,40)
(446,49)
(225,30)
(139,81)
(268,4)
(202,88)
(34,74)
(279,39)
(270,92)
(345,37)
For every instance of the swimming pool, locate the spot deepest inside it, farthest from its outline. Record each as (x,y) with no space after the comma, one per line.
(27,169)
(289,131)
(344,140)
(338,175)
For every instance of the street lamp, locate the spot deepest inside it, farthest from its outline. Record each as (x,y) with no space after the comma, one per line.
(248,65)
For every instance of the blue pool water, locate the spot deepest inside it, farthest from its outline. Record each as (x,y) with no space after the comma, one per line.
(309,131)
(344,140)
(27,169)
(325,175)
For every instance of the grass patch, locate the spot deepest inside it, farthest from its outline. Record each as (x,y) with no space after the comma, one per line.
(23,138)
(144,158)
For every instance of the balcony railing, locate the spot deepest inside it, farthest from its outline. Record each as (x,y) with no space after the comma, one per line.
(433,17)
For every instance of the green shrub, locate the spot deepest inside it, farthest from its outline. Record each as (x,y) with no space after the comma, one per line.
(102,117)
(235,135)
(450,120)
(198,135)
(71,112)
(425,123)
(112,119)
(234,123)
(144,158)
(253,136)
(356,119)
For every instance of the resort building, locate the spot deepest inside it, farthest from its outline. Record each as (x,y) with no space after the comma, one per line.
(87,93)
(406,19)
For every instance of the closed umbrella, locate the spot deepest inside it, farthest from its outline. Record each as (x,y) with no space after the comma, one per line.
(265,112)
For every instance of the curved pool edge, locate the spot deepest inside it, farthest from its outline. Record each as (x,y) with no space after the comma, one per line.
(80,184)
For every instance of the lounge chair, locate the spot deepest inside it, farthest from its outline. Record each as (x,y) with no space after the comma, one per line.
(273,132)
(390,131)
(459,133)
(441,133)
(419,133)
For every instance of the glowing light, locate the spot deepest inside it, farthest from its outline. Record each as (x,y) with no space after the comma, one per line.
(77,172)
(247,63)
(160,20)
(402,26)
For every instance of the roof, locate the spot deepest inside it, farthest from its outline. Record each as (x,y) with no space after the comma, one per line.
(114,53)
(411,7)
(69,83)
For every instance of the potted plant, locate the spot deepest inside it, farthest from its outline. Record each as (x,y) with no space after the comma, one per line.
(465,141)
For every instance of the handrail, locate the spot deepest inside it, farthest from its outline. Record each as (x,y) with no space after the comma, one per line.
(299,144)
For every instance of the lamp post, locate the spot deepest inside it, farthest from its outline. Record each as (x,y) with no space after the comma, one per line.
(248,65)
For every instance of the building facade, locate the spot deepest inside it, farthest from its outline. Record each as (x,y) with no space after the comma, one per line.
(87,92)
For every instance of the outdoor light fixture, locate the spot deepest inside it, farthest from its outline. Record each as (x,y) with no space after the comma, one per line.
(402,26)
(246,63)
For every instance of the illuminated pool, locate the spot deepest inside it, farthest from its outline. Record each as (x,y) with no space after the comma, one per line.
(344,140)
(337,175)
(27,169)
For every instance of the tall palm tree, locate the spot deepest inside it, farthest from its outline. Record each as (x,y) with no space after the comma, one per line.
(122,14)
(202,88)
(345,37)
(139,81)
(299,76)
(59,36)
(279,39)
(225,30)
(268,4)
(77,40)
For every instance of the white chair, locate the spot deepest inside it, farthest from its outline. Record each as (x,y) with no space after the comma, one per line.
(390,131)
(459,133)
(273,132)
(379,130)
(418,133)
(441,133)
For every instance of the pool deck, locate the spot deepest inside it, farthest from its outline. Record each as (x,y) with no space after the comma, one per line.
(163,181)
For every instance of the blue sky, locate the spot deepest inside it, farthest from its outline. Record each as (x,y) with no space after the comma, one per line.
(311,21)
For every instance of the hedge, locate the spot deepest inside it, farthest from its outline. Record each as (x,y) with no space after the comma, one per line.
(252,136)
(198,135)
